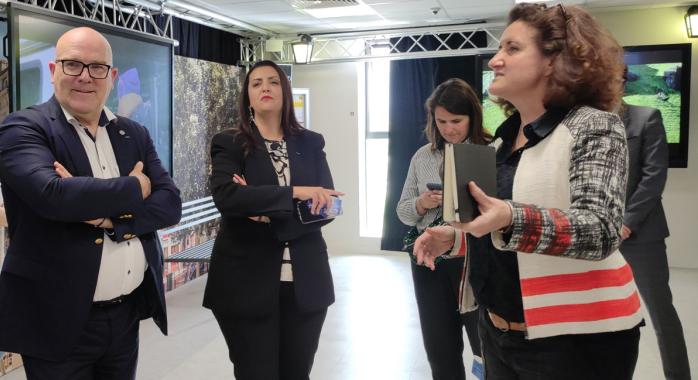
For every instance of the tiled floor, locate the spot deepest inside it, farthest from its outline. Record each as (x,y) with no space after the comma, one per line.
(371,332)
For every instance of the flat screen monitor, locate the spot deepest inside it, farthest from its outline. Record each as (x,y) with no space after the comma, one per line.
(492,114)
(659,76)
(142,90)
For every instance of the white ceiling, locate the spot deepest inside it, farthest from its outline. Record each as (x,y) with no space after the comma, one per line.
(280,18)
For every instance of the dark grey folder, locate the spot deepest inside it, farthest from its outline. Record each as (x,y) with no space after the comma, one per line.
(464,163)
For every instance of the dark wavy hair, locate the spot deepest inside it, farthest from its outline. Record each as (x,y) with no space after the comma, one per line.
(587,60)
(457,97)
(246,128)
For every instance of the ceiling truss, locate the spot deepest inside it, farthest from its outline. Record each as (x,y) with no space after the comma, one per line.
(401,44)
(139,17)
(147,17)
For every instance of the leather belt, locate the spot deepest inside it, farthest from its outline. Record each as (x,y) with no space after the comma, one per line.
(112,302)
(504,325)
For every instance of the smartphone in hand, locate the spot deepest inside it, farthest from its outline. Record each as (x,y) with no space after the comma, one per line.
(327,212)
(434,186)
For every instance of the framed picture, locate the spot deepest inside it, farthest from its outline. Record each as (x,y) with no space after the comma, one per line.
(301,106)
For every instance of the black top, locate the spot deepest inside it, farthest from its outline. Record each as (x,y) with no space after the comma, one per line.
(499,290)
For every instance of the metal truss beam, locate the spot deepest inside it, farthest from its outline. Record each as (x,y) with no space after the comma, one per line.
(442,41)
(147,16)
(130,15)
(253,50)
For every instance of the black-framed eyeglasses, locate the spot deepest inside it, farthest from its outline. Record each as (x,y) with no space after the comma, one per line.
(75,68)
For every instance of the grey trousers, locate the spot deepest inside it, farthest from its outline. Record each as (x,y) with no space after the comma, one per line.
(651,271)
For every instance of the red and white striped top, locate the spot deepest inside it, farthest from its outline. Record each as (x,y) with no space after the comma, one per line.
(568,200)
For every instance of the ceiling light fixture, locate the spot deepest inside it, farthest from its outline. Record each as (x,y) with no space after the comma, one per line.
(335,8)
(303,49)
(691,19)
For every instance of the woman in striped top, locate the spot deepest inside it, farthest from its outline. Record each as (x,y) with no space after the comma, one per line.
(454,115)
(559,301)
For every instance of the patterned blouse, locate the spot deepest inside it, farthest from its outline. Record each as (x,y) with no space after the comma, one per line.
(279,159)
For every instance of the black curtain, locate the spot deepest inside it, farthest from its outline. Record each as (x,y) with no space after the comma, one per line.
(411,83)
(195,40)
(214,45)
(203,42)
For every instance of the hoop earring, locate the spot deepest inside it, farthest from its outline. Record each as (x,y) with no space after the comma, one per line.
(250,115)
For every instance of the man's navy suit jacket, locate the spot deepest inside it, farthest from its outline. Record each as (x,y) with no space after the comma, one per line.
(50,271)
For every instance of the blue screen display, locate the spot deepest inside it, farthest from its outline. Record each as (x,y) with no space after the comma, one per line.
(143,88)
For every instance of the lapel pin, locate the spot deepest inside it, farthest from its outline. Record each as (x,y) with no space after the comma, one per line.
(122,132)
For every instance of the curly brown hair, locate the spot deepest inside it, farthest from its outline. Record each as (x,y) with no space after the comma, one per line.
(587,60)
(457,97)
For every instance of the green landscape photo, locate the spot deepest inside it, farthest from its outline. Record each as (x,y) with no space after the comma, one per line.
(655,85)
(492,114)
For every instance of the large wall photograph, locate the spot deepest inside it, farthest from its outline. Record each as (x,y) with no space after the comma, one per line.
(205,103)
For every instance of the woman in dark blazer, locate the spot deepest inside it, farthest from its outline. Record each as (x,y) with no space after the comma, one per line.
(269,283)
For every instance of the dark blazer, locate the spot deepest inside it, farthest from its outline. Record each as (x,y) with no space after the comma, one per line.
(245,266)
(648,164)
(50,272)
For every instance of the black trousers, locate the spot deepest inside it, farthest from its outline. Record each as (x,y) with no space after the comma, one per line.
(106,350)
(651,272)
(280,346)
(602,356)
(441,322)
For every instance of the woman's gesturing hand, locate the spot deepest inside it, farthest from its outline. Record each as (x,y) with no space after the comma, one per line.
(319,195)
(432,244)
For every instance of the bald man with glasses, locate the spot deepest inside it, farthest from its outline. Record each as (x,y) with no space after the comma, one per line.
(85,194)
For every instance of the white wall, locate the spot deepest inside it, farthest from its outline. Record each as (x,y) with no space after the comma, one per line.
(333,89)
(334,112)
(666,26)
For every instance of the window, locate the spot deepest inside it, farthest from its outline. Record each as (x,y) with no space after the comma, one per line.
(374,87)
